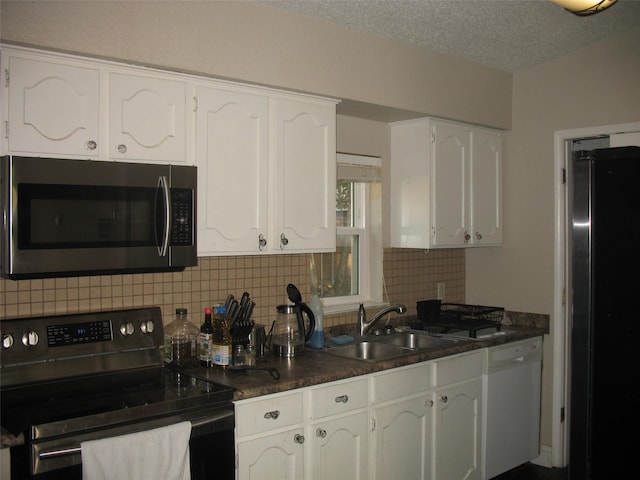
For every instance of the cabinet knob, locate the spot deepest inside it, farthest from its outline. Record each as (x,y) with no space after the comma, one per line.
(284,241)
(321,433)
(444,399)
(91,145)
(478,236)
(298,438)
(272,415)
(262,242)
(122,148)
(342,399)
(467,237)
(428,403)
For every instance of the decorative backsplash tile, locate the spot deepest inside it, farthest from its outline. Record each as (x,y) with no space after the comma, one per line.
(410,275)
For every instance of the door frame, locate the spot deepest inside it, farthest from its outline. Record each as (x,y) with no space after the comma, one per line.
(561,287)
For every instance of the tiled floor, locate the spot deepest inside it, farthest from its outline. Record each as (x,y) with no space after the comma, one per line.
(530,471)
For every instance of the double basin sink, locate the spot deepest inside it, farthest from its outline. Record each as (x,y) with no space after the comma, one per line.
(398,344)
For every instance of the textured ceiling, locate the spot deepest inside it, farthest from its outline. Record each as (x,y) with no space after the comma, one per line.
(508,35)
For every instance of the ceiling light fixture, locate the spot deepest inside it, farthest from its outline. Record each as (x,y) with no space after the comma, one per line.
(584,8)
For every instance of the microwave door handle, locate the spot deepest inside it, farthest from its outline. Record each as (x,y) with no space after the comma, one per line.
(164,244)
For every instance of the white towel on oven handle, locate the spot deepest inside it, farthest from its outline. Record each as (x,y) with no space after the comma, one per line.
(152,454)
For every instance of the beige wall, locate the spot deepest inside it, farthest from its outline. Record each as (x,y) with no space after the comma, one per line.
(595,86)
(248,41)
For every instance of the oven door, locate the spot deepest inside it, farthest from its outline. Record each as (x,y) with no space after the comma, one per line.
(80,216)
(211,447)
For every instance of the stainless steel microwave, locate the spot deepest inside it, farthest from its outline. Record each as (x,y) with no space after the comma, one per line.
(83,217)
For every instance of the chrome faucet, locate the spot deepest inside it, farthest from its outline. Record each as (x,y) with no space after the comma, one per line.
(366,326)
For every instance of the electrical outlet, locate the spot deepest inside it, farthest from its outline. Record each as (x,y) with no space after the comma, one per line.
(441,291)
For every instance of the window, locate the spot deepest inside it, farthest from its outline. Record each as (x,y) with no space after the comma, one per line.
(353,274)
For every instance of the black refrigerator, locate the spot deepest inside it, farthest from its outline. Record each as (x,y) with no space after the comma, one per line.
(605,322)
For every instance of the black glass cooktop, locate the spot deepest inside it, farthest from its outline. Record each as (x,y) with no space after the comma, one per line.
(107,399)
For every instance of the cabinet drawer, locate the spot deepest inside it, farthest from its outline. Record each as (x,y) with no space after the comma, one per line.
(268,413)
(457,369)
(401,382)
(337,398)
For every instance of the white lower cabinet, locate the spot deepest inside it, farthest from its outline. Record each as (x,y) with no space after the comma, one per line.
(416,422)
(339,448)
(402,439)
(270,437)
(457,420)
(401,417)
(276,455)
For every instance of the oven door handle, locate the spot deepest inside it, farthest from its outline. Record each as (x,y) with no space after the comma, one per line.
(198,427)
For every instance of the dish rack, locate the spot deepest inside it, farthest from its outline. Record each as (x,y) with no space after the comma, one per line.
(438,317)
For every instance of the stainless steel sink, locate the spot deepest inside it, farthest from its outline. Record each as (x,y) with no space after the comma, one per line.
(414,340)
(369,350)
(381,347)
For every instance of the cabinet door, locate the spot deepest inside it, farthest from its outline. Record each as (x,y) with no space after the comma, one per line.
(457,431)
(402,439)
(410,185)
(340,448)
(272,457)
(53,108)
(305,159)
(450,185)
(147,118)
(486,187)
(232,156)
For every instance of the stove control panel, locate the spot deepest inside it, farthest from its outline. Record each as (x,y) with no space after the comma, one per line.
(80,342)
(74,333)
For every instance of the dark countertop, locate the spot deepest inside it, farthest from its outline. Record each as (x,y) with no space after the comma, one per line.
(317,366)
(314,367)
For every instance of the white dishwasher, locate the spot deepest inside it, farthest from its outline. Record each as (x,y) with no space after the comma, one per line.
(511,406)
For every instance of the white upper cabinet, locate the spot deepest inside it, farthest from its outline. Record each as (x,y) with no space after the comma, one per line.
(66,106)
(52,108)
(266,170)
(486,187)
(232,152)
(446,187)
(146,118)
(305,163)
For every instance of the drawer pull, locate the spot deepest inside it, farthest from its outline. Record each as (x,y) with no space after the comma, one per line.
(272,415)
(342,399)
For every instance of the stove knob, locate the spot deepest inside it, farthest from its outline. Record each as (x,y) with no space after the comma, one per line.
(127,329)
(30,338)
(147,326)
(7,340)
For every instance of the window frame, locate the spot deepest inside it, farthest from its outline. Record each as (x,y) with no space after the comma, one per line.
(367,210)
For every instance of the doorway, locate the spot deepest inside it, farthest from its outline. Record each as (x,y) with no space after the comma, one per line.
(564,143)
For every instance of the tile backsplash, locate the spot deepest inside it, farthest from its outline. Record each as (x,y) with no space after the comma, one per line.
(410,275)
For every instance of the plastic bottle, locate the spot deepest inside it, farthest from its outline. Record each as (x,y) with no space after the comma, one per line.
(317,337)
(180,340)
(206,335)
